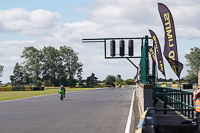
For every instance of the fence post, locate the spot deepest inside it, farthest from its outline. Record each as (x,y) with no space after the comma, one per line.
(165,104)
(188,99)
(181,102)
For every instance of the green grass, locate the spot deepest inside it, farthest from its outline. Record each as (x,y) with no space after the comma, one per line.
(10,95)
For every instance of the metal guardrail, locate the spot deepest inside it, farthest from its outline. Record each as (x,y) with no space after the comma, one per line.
(193,86)
(178,100)
(147,122)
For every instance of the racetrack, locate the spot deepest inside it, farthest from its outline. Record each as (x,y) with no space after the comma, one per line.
(91,111)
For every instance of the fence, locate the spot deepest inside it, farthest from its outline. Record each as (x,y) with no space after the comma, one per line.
(176,99)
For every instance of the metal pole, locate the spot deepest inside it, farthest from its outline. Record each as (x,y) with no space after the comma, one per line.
(179,83)
(142,42)
(132,63)
(147,59)
(105,47)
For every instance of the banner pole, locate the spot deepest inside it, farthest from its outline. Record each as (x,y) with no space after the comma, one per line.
(179,83)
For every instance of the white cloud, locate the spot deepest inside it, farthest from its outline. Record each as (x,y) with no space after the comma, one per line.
(139,16)
(27,22)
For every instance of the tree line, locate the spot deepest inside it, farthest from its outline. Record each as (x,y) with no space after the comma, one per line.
(53,67)
(117,80)
(110,80)
(48,66)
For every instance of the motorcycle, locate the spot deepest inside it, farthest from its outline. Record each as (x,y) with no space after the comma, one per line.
(61,94)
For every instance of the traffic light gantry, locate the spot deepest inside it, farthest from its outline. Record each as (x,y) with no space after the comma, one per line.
(120,44)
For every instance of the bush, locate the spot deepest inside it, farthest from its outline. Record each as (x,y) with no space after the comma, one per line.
(47,83)
(174,82)
(129,82)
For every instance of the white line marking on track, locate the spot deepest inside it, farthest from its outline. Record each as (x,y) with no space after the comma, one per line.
(128,124)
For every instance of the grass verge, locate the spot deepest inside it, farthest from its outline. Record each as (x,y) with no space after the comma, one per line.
(10,95)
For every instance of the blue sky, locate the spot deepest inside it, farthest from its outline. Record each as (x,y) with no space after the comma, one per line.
(68,8)
(42,23)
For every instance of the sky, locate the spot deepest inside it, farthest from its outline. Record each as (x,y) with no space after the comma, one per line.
(41,23)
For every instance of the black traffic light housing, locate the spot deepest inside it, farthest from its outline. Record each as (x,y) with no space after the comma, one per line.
(130,47)
(112,48)
(121,47)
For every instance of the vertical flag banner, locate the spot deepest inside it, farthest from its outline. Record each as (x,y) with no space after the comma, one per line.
(158,52)
(151,51)
(170,48)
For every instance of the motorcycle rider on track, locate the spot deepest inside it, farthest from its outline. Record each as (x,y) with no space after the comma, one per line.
(62,88)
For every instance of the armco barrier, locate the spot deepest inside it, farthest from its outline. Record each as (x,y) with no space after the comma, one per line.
(21,88)
(27,88)
(8,88)
(187,86)
(174,85)
(147,122)
(37,88)
(18,88)
(168,85)
(5,88)
(163,85)
(2,89)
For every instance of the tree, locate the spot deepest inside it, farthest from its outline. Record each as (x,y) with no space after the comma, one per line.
(47,83)
(161,80)
(110,80)
(170,80)
(119,80)
(26,77)
(12,79)
(70,63)
(129,82)
(91,80)
(174,82)
(193,63)
(79,75)
(33,62)
(17,74)
(51,65)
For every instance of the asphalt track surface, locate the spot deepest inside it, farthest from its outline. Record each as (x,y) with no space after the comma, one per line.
(92,111)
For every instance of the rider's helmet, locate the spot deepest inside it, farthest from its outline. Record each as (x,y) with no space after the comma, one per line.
(62,87)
